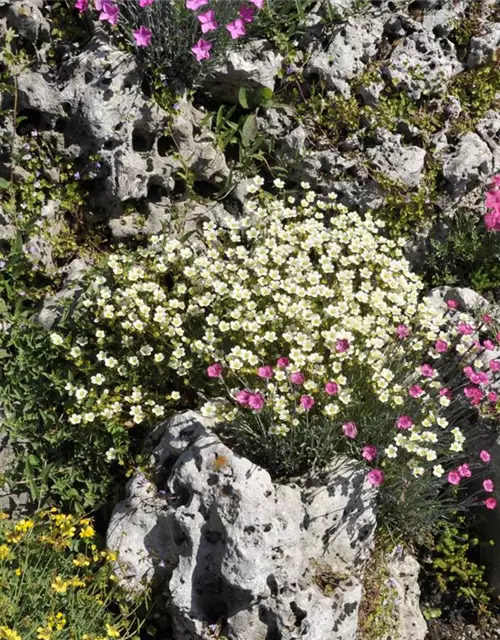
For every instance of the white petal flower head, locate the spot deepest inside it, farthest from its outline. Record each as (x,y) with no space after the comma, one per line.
(97,379)
(56,339)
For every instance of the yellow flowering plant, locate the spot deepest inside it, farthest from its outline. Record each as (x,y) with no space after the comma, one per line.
(55,582)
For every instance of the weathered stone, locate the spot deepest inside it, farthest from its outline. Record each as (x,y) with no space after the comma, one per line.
(482,47)
(403,163)
(27,20)
(468,166)
(233,545)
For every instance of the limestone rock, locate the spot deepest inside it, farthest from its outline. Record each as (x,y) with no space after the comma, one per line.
(468,165)
(239,552)
(403,163)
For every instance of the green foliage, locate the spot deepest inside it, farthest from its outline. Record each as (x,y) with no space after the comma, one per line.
(452,565)
(55,583)
(468,256)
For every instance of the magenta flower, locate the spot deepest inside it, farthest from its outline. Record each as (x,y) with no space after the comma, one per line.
(342,345)
(194,5)
(350,429)
(405,422)
(214,370)
(307,402)
(201,49)
(497,337)
(490,503)
(445,391)
(282,363)
(485,456)
(256,401)
(369,452)
(109,13)
(258,3)
(465,329)
(331,388)
(415,391)
(477,377)
(402,331)
(297,377)
(246,13)
(474,394)
(375,477)
(82,5)
(142,36)
(242,397)
(265,372)
(489,344)
(494,365)
(98,4)
(452,304)
(207,20)
(492,396)
(488,485)
(464,471)
(236,28)
(427,371)
(454,477)
(487,319)
(145,3)
(441,346)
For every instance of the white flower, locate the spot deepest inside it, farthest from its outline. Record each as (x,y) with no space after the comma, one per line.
(81,393)
(97,379)
(175,395)
(438,470)
(278,183)
(56,339)
(100,334)
(110,362)
(133,360)
(391,451)
(75,352)
(110,454)
(89,416)
(158,411)
(146,350)
(75,418)
(137,414)
(159,357)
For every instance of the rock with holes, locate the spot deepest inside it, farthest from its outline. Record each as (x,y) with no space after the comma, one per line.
(11,502)
(254,66)
(400,163)
(467,166)
(421,63)
(483,46)
(25,17)
(238,553)
(353,45)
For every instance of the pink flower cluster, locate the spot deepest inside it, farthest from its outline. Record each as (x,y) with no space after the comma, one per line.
(463,471)
(109,12)
(236,28)
(492,219)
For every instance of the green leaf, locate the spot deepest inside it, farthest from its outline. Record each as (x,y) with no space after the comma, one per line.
(249,130)
(4,184)
(243,97)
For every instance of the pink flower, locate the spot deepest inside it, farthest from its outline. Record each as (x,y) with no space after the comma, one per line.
(207,20)
(331,388)
(256,401)
(258,3)
(242,397)
(485,456)
(474,394)
(464,471)
(194,5)
(415,391)
(445,391)
(490,503)
(246,13)
(465,329)
(283,363)
(427,371)
(265,372)
(109,13)
(405,422)
(307,402)
(201,49)
(486,318)
(497,337)
(350,429)
(145,3)
(342,345)
(441,346)
(297,377)
(489,344)
(375,477)
(369,452)
(82,5)
(98,4)
(142,36)
(214,370)
(494,365)
(402,331)
(478,377)
(492,396)
(236,28)
(488,485)
(492,221)
(452,304)
(454,477)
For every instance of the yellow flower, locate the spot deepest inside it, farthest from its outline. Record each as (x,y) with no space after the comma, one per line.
(81,561)
(18,572)
(8,634)
(111,631)
(43,633)
(87,532)
(4,516)
(4,551)
(59,585)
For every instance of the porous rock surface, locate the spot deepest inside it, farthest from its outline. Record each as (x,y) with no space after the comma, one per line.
(236,551)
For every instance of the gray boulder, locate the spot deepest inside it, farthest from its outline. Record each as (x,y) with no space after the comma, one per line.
(238,553)
(467,166)
(483,46)
(403,163)
(25,17)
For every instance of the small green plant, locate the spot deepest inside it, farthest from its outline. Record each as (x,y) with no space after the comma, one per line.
(55,583)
